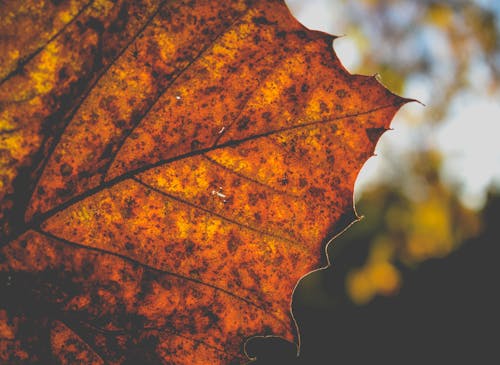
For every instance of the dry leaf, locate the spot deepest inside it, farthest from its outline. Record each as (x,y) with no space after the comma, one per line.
(170,169)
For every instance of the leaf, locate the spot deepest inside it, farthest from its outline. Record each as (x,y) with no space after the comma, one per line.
(169,171)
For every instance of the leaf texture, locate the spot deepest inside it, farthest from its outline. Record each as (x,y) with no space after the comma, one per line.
(169,170)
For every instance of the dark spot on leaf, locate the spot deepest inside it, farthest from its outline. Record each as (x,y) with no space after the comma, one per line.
(65,169)
(291,93)
(323,107)
(316,192)
(261,20)
(233,243)
(253,199)
(212,317)
(63,74)
(195,144)
(341,93)
(204,200)
(301,34)
(189,246)
(257,217)
(281,34)
(120,123)
(243,123)
(210,90)
(266,116)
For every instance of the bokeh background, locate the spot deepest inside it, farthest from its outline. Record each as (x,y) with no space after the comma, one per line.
(417,279)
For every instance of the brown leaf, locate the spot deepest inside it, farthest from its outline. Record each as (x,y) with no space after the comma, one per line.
(169,171)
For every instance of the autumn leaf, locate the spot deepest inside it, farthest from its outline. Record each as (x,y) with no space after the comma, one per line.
(169,170)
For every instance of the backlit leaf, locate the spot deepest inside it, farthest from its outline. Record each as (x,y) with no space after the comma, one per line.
(170,169)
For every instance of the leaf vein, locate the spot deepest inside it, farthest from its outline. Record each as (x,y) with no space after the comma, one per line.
(290,195)
(37,220)
(147,329)
(162,92)
(239,224)
(149,267)
(29,57)
(72,113)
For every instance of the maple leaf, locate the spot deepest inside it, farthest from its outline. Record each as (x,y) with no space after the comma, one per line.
(169,171)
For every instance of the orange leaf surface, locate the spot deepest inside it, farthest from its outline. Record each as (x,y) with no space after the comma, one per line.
(169,170)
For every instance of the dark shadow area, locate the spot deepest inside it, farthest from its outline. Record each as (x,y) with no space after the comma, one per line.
(445,313)
(271,350)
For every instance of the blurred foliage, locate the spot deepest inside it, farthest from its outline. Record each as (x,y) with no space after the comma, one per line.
(441,44)
(437,49)
(406,230)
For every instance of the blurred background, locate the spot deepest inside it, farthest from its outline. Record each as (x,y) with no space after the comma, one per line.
(416,280)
